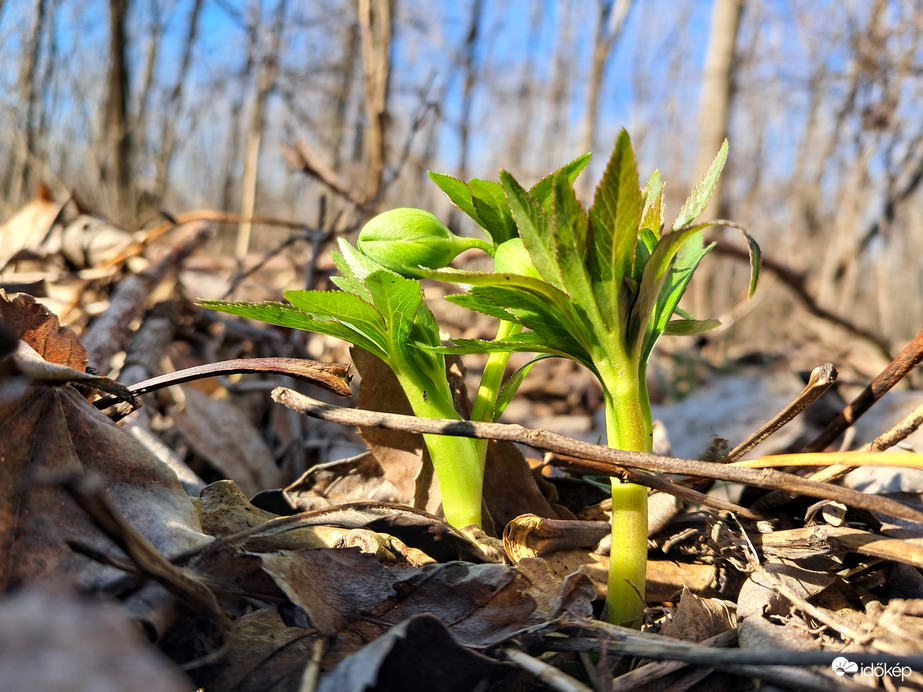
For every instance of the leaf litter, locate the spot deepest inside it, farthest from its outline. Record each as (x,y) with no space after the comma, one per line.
(295,571)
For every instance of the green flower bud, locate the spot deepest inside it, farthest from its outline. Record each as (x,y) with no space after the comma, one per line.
(405,238)
(512,257)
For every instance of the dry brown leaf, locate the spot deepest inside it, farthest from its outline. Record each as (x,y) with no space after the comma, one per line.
(52,430)
(28,227)
(220,432)
(332,586)
(265,655)
(32,322)
(418,654)
(53,641)
(696,619)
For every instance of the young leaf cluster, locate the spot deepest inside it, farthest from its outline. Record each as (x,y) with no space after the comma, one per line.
(610,278)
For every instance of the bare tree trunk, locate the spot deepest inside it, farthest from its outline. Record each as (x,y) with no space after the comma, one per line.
(561,78)
(347,71)
(470,76)
(117,132)
(28,97)
(168,132)
(714,107)
(717,90)
(612,14)
(152,50)
(520,131)
(264,84)
(375,32)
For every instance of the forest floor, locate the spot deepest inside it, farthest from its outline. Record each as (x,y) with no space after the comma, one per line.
(219,538)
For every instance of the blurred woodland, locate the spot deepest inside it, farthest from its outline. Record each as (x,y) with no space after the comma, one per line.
(165,153)
(316,115)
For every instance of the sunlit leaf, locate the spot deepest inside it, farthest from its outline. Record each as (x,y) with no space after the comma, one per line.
(614,218)
(534,228)
(699,197)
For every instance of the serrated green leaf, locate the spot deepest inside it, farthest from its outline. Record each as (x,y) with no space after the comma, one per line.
(492,209)
(346,308)
(698,200)
(459,194)
(285,315)
(570,231)
(397,300)
(480,304)
(541,191)
(534,229)
(652,216)
(614,219)
(690,327)
(348,282)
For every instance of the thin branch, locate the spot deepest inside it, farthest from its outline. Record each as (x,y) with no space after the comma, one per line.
(796,281)
(896,370)
(587,458)
(822,378)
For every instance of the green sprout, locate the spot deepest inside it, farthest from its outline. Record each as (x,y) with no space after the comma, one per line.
(600,288)
(384,313)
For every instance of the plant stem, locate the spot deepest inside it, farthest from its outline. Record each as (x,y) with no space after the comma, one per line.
(489,388)
(627,427)
(455,459)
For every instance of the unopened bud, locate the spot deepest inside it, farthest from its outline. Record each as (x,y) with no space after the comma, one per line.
(405,238)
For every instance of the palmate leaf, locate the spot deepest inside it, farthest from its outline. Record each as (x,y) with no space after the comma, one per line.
(614,219)
(566,330)
(484,201)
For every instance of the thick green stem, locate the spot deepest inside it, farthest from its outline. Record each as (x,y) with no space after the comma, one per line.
(489,388)
(627,427)
(455,459)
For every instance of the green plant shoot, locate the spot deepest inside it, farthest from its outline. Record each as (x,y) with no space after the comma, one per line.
(384,313)
(599,287)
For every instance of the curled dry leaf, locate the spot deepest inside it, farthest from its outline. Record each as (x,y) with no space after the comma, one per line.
(50,430)
(32,322)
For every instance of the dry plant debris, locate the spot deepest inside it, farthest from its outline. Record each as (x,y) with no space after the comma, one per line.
(251,561)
